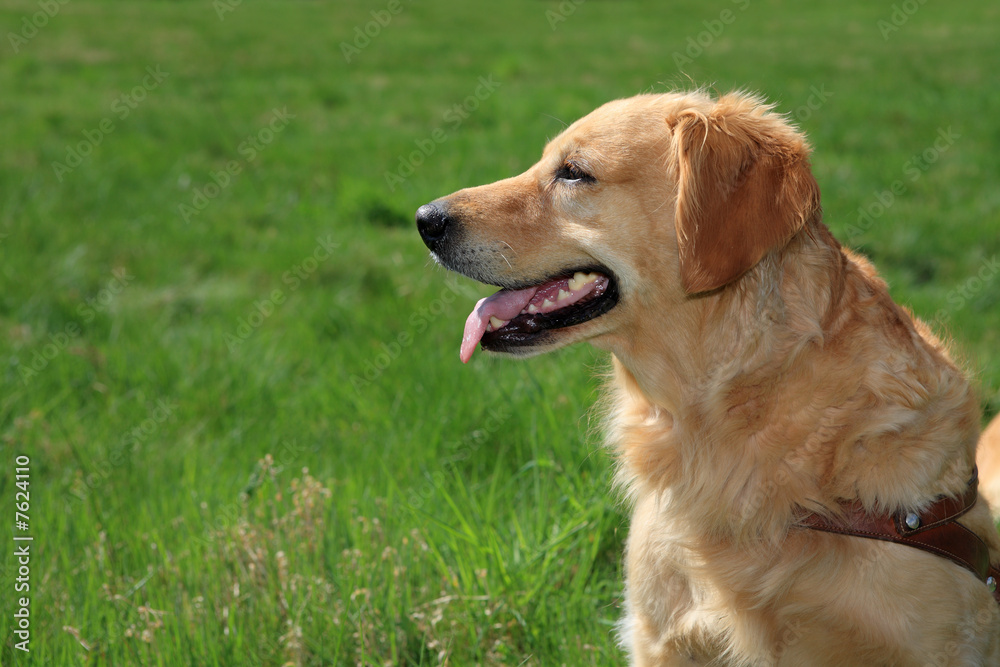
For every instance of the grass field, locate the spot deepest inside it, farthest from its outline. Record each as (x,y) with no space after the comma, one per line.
(234,370)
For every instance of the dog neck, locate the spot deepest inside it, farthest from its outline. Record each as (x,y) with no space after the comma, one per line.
(764,390)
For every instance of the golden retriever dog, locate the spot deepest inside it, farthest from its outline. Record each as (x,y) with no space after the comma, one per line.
(764,384)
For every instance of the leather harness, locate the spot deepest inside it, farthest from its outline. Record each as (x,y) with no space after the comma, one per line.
(935,530)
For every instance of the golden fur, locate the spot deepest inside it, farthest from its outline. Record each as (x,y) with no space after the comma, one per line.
(988,458)
(760,371)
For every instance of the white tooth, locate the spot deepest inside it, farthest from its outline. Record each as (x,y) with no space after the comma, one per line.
(547,304)
(532,308)
(496,322)
(580,279)
(563,294)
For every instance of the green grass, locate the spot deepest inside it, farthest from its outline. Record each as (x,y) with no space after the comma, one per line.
(251,447)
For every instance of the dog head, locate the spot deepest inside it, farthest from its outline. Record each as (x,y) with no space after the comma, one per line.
(639,207)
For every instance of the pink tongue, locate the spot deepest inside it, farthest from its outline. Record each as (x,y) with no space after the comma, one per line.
(504,305)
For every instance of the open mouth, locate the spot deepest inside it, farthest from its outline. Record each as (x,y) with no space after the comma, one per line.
(514,318)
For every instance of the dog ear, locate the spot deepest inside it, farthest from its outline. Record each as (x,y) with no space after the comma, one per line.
(744,188)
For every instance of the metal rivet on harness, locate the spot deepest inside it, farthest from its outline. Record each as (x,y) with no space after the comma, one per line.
(991,584)
(912,521)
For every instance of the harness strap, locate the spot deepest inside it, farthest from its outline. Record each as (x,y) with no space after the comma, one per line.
(934,530)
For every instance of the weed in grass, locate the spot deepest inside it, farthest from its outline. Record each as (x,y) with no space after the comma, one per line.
(281,527)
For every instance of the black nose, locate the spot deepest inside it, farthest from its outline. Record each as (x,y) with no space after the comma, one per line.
(432,223)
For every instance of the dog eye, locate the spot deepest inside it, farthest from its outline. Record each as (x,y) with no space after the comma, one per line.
(571,173)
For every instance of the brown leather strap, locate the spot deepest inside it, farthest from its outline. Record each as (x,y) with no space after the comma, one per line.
(935,530)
